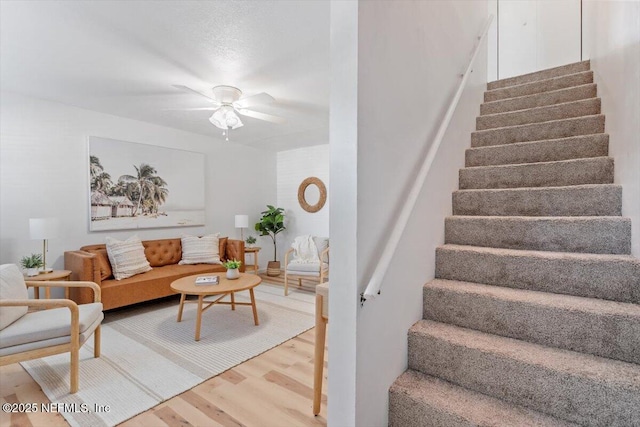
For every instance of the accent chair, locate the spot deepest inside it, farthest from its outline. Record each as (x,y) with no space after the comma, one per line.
(300,270)
(53,326)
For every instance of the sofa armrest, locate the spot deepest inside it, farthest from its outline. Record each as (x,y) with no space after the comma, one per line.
(235,250)
(84,267)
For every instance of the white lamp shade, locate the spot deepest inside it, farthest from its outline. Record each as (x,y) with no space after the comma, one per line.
(242,221)
(43,228)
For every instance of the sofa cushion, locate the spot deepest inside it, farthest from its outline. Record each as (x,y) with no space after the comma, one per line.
(47,324)
(150,285)
(12,286)
(162,252)
(103,263)
(200,250)
(127,257)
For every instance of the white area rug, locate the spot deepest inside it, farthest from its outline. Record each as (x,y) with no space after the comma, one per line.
(147,357)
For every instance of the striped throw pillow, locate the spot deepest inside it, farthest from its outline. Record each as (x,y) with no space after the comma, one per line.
(200,250)
(127,257)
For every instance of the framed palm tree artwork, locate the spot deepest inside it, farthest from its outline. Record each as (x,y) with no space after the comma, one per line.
(135,185)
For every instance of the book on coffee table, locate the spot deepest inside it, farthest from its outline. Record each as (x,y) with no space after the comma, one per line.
(207,280)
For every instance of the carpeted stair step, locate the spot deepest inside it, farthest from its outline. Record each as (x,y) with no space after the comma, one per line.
(583,107)
(600,235)
(576,387)
(550,150)
(416,399)
(554,83)
(587,125)
(596,170)
(549,73)
(575,200)
(560,96)
(611,277)
(562,321)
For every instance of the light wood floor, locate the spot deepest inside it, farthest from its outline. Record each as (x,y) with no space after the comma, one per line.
(272,389)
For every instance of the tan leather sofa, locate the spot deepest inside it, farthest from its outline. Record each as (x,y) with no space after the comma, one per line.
(91,263)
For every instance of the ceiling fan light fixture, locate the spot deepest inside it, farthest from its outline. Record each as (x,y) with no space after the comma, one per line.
(225,118)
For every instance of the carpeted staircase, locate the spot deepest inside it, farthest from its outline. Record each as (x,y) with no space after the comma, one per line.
(534,316)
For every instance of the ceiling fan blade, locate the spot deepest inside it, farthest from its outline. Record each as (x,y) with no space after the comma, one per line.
(195,92)
(259,99)
(192,109)
(261,116)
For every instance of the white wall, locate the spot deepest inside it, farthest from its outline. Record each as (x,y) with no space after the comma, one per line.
(44,170)
(612,41)
(406,76)
(534,35)
(343,131)
(293,167)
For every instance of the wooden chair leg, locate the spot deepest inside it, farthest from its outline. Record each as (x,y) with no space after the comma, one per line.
(286,283)
(318,361)
(75,365)
(96,342)
(300,282)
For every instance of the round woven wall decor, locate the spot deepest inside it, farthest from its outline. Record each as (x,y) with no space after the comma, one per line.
(321,200)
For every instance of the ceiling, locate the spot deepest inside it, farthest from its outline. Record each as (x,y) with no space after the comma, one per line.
(123,58)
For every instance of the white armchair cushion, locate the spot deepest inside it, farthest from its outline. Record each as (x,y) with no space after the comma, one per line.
(12,286)
(323,290)
(44,325)
(322,243)
(306,268)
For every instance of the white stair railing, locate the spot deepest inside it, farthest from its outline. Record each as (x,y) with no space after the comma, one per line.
(373,288)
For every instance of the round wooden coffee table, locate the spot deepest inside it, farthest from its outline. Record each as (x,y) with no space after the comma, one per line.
(187,286)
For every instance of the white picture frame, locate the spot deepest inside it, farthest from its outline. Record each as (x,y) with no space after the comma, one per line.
(137,186)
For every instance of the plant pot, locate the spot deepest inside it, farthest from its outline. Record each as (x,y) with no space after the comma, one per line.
(273,268)
(233,273)
(32,272)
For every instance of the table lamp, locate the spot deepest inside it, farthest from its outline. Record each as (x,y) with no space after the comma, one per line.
(45,229)
(242,222)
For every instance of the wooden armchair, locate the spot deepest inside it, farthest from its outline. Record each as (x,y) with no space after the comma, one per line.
(307,270)
(56,326)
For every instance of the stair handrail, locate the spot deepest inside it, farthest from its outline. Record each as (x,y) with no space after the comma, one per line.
(375,282)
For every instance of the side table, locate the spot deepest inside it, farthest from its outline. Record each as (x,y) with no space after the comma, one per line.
(46,277)
(252,250)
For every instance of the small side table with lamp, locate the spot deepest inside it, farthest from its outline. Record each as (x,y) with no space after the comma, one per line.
(254,251)
(46,277)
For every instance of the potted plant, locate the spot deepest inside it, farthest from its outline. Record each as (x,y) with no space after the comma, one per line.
(272,223)
(32,264)
(250,241)
(232,267)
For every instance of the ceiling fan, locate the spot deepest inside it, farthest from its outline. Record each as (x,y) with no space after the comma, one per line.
(227,101)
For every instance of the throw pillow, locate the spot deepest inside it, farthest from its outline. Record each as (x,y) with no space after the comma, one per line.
(12,286)
(200,250)
(127,257)
(322,243)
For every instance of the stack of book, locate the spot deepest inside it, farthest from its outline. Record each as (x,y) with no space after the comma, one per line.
(207,280)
